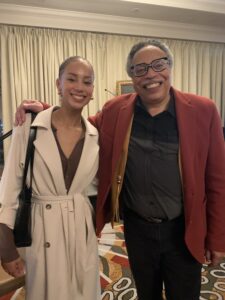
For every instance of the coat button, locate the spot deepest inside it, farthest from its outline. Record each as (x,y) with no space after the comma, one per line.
(48,206)
(0,205)
(119,179)
(47,245)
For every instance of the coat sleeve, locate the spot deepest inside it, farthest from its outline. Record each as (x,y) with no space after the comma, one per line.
(8,251)
(11,181)
(215,186)
(97,119)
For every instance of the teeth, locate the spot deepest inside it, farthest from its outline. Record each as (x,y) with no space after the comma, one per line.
(152,85)
(77,97)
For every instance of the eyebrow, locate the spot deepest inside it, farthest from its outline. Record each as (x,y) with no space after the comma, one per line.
(74,74)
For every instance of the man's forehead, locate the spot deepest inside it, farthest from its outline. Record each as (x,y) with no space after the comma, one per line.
(149,52)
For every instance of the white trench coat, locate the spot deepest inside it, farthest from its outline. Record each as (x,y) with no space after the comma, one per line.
(62,263)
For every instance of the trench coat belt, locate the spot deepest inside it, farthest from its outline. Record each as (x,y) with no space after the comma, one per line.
(83,217)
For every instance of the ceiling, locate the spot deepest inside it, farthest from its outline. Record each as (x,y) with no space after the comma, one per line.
(199,12)
(201,20)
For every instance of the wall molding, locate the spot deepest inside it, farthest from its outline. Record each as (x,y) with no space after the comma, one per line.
(79,21)
(217,6)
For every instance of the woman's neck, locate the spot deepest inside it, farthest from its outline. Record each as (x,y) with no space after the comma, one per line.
(66,119)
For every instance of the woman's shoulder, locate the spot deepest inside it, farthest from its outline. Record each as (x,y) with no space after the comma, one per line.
(20,133)
(43,118)
(19,129)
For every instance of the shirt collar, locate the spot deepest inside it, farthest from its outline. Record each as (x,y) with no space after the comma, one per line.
(170,109)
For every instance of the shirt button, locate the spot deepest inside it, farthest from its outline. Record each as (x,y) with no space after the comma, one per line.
(119,179)
(47,245)
(48,206)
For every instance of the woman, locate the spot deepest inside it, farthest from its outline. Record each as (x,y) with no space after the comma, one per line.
(62,262)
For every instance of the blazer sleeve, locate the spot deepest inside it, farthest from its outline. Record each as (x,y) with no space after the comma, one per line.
(96,120)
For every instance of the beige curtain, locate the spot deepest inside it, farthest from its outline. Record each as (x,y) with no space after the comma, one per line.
(30,58)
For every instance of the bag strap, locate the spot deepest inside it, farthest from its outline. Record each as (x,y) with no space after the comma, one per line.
(8,133)
(4,136)
(30,153)
(30,149)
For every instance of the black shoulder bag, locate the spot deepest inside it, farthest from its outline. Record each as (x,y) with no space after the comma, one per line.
(22,227)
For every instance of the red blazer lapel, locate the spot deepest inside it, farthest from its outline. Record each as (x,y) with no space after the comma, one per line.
(124,118)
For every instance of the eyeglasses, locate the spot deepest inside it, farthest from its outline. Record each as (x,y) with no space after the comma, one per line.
(157,65)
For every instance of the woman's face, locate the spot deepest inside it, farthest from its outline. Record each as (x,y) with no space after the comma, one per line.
(75,85)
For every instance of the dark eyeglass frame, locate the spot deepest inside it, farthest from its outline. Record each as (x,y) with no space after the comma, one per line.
(151,65)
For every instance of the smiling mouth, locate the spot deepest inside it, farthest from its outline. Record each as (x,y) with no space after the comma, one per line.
(78,97)
(152,85)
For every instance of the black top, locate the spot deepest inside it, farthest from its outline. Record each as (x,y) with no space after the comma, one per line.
(152,184)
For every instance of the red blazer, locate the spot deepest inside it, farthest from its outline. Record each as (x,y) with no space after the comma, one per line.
(202,154)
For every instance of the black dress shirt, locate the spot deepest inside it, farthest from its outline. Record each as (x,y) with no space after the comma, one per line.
(152,183)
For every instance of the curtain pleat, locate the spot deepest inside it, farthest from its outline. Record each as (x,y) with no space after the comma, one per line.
(30,58)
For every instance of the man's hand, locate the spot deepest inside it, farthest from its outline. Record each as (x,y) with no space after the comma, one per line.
(20,115)
(213,258)
(15,268)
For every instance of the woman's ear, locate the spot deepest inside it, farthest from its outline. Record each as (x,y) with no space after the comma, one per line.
(92,98)
(58,87)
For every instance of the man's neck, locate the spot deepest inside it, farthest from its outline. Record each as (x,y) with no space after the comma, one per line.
(157,108)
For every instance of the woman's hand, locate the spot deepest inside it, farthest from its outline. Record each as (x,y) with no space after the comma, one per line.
(15,268)
(32,105)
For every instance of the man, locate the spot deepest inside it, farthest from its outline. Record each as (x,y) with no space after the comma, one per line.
(162,168)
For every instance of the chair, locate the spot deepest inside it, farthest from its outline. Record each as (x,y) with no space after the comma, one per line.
(11,285)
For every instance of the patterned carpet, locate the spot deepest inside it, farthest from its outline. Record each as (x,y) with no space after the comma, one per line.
(117,282)
(116,279)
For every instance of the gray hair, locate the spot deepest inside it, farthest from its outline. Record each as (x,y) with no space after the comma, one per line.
(143,44)
(73,59)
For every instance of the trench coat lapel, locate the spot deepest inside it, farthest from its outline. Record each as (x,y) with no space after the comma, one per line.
(46,146)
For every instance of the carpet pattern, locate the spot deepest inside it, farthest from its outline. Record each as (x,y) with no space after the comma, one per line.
(116,279)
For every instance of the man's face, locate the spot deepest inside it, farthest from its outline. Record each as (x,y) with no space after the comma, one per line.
(153,87)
